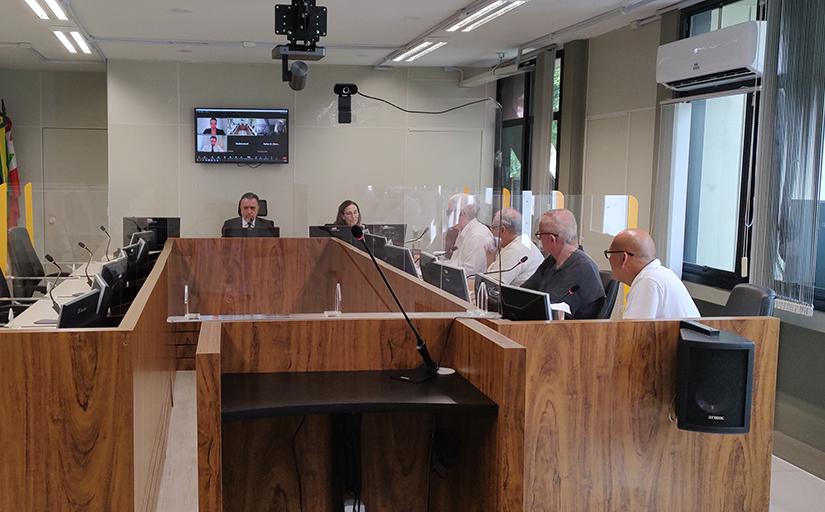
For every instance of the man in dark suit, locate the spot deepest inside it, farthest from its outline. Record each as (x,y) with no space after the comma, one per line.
(213,128)
(248,223)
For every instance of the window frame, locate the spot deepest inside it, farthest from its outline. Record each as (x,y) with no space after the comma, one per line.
(702,274)
(526,124)
(556,117)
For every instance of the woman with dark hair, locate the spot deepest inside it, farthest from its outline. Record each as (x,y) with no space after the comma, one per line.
(349,214)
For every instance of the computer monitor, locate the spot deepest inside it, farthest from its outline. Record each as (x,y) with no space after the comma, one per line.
(135,256)
(114,271)
(376,244)
(523,304)
(425,259)
(331,230)
(400,258)
(106,294)
(393,232)
(163,227)
(147,236)
(80,311)
(493,287)
(450,279)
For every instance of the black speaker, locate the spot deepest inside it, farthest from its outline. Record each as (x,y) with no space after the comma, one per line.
(714,380)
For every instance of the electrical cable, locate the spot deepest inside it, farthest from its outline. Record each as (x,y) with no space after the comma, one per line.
(446,342)
(423,111)
(297,468)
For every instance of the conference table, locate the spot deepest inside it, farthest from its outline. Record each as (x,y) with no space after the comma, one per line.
(41,314)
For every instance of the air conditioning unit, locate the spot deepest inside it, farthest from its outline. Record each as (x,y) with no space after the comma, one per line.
(724,56)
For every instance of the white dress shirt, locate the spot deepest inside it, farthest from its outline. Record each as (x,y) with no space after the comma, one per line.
(510,255)
(657,292)
(473,242)
(245,224)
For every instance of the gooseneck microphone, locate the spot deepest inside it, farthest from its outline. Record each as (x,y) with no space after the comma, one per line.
(86,268)
(55,305)
(428,369)
(519,262)
(108,241)
(419,237)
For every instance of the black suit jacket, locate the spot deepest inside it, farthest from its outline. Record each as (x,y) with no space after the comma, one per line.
(218,131)
(263,228)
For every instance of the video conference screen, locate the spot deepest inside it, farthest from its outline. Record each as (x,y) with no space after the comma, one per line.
(241,136)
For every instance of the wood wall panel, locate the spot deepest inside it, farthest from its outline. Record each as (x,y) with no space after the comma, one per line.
(65,421)
(208,391)
(597,433)
(496,366)
(333,344)
(152,343)
(290,275)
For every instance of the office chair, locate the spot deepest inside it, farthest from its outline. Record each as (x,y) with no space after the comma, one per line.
(27,270)
(749,300)
(611,291)
(7,302)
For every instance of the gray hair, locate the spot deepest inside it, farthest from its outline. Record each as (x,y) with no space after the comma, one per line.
(511,219)
(563,223)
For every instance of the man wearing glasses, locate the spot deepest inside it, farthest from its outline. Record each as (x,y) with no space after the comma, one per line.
(507,228)
(566,267)
(655,291)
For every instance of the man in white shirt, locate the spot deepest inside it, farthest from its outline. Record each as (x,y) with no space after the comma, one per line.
(506,228)
(213,146)
(655,291)
(474,238)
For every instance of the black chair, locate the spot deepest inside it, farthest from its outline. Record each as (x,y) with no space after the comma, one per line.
(7,302)
(749,300)
(27,273)
(611,291)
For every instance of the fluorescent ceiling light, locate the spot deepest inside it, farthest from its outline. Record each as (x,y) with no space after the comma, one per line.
(81,43)
(476,15)
(57,10)
(65,40)
(412,51)
(509,7)
(37,9)
(432,48)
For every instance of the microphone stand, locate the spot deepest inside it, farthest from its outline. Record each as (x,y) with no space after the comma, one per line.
(55,305)
(86,269)
(429,368)
(419,237)
(108,242)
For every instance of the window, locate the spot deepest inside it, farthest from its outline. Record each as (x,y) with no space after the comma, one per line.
(716,14)
(514,94)
(554,135)
(720,156)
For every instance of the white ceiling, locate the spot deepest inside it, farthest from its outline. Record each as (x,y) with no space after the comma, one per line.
(360,32)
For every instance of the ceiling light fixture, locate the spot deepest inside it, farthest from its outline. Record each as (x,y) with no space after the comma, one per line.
(57,10)
(504,10)
(81,43)
(476,15)
(432,48)
(412,51)
(39,11)
(65,40)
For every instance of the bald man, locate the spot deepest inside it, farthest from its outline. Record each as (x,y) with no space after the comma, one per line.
(655,291)
(566,267)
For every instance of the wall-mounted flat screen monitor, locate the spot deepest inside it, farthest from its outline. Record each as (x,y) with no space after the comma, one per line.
(241,136)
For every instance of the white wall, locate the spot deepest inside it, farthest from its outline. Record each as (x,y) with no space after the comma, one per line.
(620,127)
(60,140)
(151,143)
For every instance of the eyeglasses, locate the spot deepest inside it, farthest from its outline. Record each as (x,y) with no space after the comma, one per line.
(539,234)
(608,252)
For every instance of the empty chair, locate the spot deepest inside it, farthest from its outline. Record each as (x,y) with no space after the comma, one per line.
(6,301)
(749,300)
(26,268)
(611,291)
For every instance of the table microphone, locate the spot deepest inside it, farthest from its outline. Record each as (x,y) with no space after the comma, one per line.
(108,242)
(429,368)
(86,269)
(55,305)
(519,262)
(427,229)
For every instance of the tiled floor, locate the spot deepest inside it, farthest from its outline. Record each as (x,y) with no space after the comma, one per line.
(792,489)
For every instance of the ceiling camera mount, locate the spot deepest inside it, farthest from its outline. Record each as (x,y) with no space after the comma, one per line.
(304,24)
